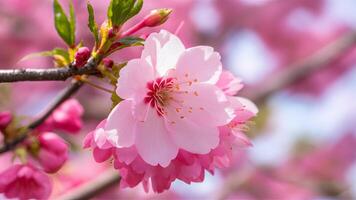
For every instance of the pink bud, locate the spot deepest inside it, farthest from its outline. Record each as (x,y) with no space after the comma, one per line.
(5,119)
(66,117)
(25,182)
(108,63)
(81,56)
(53,152)
(157,17)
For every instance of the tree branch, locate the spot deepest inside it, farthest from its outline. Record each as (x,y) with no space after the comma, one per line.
(291,75)
(63,96)
(53,74)
(297,71)
(68,92)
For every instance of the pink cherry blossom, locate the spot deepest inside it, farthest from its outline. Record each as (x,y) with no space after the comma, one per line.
(186,166)
(66,117)
(25,182)
(53,152)
(171,101)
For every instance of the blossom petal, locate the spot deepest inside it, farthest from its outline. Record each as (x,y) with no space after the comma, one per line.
(248,105)
(121,120)
(153,141)
(199,64)
(191,136)
(133,79)
(163,50)
(101,155)
(205,105)
(229,83)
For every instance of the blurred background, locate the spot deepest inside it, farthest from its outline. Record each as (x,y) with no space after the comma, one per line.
(304,138)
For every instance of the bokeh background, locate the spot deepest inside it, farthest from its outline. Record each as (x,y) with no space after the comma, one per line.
(304,138)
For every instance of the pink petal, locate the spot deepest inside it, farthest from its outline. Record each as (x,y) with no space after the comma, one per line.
(133,79)
(153,141)
(162,50)
(229,83)
(241,139)
(101,138)
(126,155)
(199,64)
(192,137)
(249,105)
(88,140)
(101,155)
(121,120)
(205,105)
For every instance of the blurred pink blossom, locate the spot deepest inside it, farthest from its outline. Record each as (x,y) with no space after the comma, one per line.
(66,117)
(328,163)
(25,182)
(53,152)
(265,184)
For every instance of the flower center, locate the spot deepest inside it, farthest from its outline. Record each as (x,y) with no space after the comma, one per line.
(159,94)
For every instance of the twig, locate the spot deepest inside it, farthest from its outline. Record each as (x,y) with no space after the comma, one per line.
(301,69)
(53,74)
(291,75)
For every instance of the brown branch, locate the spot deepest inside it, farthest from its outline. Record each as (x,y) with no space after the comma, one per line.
(53,74)
(66,94)
(297,71)
(291,75)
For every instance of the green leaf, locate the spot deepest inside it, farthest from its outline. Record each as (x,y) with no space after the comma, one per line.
(62,24)
(136,9)
(72,20)
(120,11)
(93,26)
(56,51)
(132,41)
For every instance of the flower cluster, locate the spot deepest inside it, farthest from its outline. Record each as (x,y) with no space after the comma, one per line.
(178,117)
(48,153)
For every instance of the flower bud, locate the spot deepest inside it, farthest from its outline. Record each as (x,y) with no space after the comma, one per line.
(53,152)
(5,119)
(81,56)
(108,63)
(25,182)
(157,17)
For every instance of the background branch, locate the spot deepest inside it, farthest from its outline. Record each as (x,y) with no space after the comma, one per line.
(292,74)
(63,96)
(301,69)
(53,74)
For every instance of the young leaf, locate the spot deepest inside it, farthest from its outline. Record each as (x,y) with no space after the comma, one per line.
(91,23)
(120,11)
(131,41)
(56,51)
(62,24)
(136,9)
(72,21)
